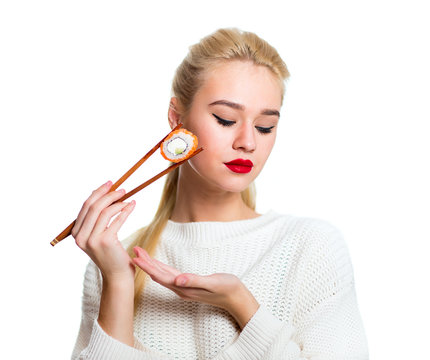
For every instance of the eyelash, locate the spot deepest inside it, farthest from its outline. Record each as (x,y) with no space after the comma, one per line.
(262,130)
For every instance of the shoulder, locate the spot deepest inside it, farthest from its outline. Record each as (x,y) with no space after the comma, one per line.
(324,241)
(319,247)
(310,232)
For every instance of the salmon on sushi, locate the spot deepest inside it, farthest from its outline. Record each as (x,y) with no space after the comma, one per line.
(179,145)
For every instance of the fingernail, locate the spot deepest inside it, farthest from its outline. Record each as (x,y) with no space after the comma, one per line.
(109,183)
(183,281)
(121,190)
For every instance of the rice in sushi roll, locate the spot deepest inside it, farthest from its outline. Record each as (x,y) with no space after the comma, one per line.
(179,145)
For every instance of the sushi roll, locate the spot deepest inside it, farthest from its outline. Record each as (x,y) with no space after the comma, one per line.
(179,145)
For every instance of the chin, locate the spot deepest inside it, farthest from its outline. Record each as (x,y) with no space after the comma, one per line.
(235,185)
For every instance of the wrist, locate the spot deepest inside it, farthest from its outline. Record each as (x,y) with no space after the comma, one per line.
(119,280)
(117,307)
(243,306)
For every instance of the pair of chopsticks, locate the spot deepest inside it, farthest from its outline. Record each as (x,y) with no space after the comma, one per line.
(67,231)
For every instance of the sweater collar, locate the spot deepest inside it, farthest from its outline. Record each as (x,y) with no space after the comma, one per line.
(213,233)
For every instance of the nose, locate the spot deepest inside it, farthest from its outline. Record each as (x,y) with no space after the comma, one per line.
(245,138)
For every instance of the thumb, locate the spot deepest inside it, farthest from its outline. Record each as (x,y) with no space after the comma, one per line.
(184,280)
(195,281)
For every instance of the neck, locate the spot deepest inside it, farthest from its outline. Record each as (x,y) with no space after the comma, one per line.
(203,202)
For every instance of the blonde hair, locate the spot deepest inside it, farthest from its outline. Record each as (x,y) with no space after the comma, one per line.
(220,46)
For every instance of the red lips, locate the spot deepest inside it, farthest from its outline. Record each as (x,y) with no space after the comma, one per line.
(240,166)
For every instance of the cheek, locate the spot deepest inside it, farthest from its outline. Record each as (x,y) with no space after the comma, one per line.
(209,157)
(204,164)
(213,156)
(212,139)
(266,147)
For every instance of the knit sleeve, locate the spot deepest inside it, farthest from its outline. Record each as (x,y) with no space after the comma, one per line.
(94,343)
(327,325)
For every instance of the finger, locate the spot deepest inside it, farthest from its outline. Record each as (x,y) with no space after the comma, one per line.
(163,266)
(106,216)
(144,260)
(94,212)
(153,270)
(142,263)
(168,268)
(120,219)
(95,195)
(175,272)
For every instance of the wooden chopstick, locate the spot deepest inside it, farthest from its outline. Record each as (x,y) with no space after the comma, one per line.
(141,161)
(156,177)
(67,231)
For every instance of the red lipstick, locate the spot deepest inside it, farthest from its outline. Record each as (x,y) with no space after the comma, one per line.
(240,166)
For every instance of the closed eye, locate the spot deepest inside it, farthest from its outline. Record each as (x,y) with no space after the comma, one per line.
(224,122)
(264,130)
(261,130)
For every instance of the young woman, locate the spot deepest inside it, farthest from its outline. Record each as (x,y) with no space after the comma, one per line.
(209,277)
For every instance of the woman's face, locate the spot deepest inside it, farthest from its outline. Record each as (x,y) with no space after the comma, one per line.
(234,115)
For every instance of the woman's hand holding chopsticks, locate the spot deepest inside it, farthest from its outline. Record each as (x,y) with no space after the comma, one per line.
(99,240)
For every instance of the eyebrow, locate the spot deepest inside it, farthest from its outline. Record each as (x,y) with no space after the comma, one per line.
(241,107)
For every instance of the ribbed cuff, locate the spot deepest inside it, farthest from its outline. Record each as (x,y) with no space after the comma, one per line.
(104,347)
(257,336)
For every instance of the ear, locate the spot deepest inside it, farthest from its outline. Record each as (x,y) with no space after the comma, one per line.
(174,113)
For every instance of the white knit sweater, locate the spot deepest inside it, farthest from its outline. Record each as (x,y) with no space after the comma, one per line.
(298,269)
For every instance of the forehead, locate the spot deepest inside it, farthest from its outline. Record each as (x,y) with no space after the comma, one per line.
(243,82)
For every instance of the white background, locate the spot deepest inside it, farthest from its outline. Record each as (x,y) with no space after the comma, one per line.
(84,90)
